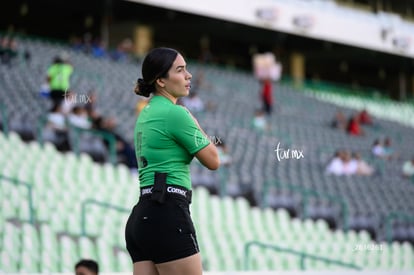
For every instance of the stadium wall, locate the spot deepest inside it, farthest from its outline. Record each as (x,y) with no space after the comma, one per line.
(383,32)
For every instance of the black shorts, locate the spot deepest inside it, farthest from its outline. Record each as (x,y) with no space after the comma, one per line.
(160,232)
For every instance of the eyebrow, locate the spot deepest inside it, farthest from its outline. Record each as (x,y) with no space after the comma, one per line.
(181,66)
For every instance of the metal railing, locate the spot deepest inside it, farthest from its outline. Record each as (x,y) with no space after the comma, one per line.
(301,255)
(29,187)
(110,138)
(306,194)
(4,118)
(390,218)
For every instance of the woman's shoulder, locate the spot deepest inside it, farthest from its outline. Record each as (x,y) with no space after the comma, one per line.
(176,109)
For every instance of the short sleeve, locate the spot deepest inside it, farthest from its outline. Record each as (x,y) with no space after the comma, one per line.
(184,130)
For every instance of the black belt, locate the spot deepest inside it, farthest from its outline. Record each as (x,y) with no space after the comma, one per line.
(171,189)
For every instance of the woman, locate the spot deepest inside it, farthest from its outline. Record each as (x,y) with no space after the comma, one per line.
(160,235)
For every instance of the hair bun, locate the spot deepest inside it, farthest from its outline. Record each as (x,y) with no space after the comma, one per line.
(143,88)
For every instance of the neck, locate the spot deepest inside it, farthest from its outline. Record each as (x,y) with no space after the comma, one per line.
(166,95)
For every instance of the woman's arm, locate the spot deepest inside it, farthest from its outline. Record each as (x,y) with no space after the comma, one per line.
(208,156)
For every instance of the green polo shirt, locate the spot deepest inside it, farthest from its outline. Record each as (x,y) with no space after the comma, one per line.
(59,75)
(166,139)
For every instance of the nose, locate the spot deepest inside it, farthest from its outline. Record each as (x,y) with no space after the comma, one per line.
(189,75)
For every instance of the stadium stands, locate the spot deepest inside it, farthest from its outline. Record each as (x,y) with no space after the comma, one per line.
(60,185)
(44,193)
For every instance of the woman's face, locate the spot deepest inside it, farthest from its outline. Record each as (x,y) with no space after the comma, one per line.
(178,82)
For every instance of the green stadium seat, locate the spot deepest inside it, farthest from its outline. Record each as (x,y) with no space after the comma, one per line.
(123,261)
(69,253)
(11,248)
(49,245)
(87,249)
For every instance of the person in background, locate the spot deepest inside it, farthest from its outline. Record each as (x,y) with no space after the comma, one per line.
(267,96)
(335,165)
(58,78)
(408,169)
(79,118)
(364,117)
(349,166)
(377,149)
(354,128)
(86,267)
(339,121)
(362,167)
(56,129)
(259,121)
(389,152)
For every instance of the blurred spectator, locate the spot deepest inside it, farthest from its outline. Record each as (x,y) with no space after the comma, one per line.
(364,117)
(69,101)
(58,77)
(193,103)
(44,90)
(266,96)
(98,120)
(79,118)
(362,167)
(349,166)
(388,150)
(259,121)
(342,164)
(354,128)
(94,116)
(123,50)
(339,121)
(124,150)
(8,50)
(408,169)
(76,43)
(377,148)
(56,130)
(86,267)
(98,49)
(335,165)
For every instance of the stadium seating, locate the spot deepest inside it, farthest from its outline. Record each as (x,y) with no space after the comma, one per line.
(59,183)
(224,225)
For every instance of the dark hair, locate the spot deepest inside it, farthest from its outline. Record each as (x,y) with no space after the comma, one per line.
(156,64)
(89,264)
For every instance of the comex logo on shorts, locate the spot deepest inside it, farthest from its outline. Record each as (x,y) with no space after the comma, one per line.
(170,189)
(176,190)
(147,191)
